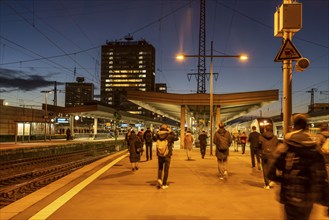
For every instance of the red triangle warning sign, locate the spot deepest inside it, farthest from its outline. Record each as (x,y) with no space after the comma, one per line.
(288,51)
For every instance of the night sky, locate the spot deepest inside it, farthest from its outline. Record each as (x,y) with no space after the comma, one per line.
(42,41)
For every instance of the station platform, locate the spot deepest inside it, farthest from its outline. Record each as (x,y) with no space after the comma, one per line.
(109,189)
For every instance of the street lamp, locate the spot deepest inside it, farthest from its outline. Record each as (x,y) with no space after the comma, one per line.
(211,104)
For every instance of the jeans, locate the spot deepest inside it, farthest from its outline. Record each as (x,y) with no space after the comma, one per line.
(148,147)
(253,154)
(222,167)
(203,150)
(163,164)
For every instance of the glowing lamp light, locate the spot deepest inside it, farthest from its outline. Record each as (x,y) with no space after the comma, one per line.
(180,57)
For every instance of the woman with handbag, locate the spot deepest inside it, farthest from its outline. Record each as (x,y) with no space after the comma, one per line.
(135,148)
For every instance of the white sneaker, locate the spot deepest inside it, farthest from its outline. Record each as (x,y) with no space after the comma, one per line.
(165,187)
(225,173)
(267,187)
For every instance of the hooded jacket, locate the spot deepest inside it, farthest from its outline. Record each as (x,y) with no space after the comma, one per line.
(267,142)
(170,136)
(304,179)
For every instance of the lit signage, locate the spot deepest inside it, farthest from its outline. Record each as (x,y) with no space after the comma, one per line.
(62,120)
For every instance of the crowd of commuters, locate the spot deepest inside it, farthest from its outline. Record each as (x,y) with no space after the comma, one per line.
(299,164)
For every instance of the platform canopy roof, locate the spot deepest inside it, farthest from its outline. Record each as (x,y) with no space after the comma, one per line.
(232,105)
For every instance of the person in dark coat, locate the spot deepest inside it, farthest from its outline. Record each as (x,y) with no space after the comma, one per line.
(243,141)
(303,178)
(135,146)
(165,133)
(268,143)
(253,138)
(222,140)
(203,143)
(148,138)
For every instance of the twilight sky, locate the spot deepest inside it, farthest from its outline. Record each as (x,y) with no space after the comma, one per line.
(42,41)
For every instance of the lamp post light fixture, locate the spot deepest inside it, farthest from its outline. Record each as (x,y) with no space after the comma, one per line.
(181,57)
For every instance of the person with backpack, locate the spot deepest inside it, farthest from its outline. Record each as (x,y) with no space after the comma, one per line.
(222,140)
(267,142)
(300,168)
(164,146)
(148,137)
(188,143)
(203,143)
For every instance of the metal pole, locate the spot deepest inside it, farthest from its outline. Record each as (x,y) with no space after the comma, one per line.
(287,84)
(46,114)
(287,89)
(211,99)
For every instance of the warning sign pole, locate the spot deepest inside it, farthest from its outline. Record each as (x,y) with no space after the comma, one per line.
(287,21)
(287,88)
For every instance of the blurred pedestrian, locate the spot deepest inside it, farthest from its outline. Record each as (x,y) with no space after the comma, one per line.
(253,139)
(68,134)
(148,137)
(222,140)
(243,141)
(303,178)
(164,144)
(140,134)
(323,143)
(135,146)
(236,138)
(203,143)
(268,143)
(188,143)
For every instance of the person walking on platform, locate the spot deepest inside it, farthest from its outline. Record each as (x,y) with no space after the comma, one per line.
(268,143)
(140,134)
(303,178)
(148,137)
(188,143)
(235,137)
(203,143)
(243,141)
(164,144)
(222,140)
(254,147)
(135,146)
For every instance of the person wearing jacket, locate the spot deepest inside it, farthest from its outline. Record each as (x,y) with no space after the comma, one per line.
(135,146)
(303,178)
(254,147)
(267,142)
(148,137)
(222,140)
(203,143)
(165,133)
(188,143)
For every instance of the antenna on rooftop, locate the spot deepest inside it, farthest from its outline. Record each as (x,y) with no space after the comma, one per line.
(129,37)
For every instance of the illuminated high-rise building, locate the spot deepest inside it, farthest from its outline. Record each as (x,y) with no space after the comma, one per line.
(126,65)
(78,93)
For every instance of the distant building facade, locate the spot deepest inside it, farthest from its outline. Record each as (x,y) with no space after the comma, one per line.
(126,65)
(78,93)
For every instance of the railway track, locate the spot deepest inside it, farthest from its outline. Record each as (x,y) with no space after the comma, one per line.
(22,177)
